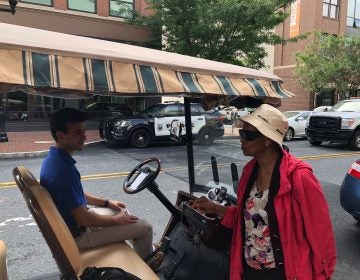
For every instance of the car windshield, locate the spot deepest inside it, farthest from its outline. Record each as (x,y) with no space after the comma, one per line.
(152,110)
(346,106)
(290,114)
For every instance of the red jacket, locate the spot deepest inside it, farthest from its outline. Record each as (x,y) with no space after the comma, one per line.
(305,228)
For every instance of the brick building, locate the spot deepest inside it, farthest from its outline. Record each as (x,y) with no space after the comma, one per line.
(328,16)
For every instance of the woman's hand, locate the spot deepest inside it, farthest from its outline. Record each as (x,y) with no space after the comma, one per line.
(204,205)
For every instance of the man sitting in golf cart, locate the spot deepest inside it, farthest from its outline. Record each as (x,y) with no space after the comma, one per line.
(105,221)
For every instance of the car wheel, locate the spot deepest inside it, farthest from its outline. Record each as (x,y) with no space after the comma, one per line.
(289,135)
(315,143)
(140,138)
(110,141)
(355,141)
(205,137)
(357,219)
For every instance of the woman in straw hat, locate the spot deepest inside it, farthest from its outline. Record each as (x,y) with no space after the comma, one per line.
(281,224)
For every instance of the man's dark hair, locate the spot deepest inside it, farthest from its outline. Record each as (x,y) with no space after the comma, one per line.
(61,118)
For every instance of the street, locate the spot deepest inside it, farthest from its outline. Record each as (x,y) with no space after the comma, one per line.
(104,169)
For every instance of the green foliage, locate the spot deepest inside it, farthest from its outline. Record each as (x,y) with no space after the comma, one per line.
(330,62)
(231,31)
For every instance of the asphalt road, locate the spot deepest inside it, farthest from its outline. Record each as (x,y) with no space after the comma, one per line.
(104,169)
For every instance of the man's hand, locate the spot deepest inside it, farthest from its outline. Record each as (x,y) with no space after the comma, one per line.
(125,219)
(86,218)
(100,201)
(116,205)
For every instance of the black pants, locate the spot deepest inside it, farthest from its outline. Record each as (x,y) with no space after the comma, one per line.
(264,274)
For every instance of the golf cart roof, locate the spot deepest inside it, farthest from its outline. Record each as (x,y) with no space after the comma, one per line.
(68,66)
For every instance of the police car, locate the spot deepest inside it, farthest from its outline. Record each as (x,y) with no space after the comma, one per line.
(154,123)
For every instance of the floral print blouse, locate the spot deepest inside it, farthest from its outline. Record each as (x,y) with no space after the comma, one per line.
(258,251)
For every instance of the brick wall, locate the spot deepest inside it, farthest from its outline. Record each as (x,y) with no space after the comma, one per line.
(60,4)
(143,8)
(102,6)
(311,19)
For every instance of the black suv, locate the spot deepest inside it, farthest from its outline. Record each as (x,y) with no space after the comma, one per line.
(153,125)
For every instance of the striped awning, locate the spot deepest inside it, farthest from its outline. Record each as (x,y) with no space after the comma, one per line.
(51,63)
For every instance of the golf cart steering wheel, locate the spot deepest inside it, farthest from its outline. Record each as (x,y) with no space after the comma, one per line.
(141,177)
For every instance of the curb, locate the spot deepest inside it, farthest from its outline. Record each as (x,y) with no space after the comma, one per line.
(38,154)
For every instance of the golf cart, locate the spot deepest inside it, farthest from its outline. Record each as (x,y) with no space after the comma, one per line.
(64,66)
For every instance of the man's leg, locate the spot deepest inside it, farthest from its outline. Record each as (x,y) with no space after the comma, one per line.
(140,233)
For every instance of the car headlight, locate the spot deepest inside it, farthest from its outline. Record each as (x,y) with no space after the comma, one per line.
(122,123)
(347,123)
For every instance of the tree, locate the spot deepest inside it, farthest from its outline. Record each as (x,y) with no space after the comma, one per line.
(231,31)
(330,62)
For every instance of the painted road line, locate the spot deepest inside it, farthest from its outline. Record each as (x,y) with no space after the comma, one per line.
(4,185)
(329,156)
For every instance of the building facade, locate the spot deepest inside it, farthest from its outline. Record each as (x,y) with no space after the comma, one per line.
(327,16)
(101,19)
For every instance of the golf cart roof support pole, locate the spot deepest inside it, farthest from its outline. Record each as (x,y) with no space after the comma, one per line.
(189,143)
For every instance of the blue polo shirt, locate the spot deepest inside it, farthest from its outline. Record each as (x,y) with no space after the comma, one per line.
(62,180)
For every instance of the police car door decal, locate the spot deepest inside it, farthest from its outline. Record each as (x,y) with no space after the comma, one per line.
(162,122)
(164,118)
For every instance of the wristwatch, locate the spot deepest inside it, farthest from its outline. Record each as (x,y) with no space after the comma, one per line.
(106,202)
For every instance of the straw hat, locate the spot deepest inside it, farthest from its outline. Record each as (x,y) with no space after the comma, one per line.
(269,121)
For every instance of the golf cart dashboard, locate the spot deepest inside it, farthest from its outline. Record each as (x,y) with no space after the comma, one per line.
(202,228)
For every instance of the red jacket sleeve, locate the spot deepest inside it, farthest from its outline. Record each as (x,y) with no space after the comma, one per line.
(316,218)
(230,217)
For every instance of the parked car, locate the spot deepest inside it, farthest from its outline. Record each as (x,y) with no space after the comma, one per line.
(322,109)
(154,123)
(297,123)
(340,124)
(350,191)
(105,110)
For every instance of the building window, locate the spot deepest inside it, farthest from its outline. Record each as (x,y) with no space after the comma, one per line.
(88,6)
(353,14)
(331,9)
(123,8)
(39,2)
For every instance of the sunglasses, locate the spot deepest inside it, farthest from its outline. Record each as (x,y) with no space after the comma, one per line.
(249,135)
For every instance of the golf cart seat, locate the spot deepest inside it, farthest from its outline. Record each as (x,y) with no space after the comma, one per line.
(70,261)
(3,268)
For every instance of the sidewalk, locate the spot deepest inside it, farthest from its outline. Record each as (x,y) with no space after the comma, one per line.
(37,143)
